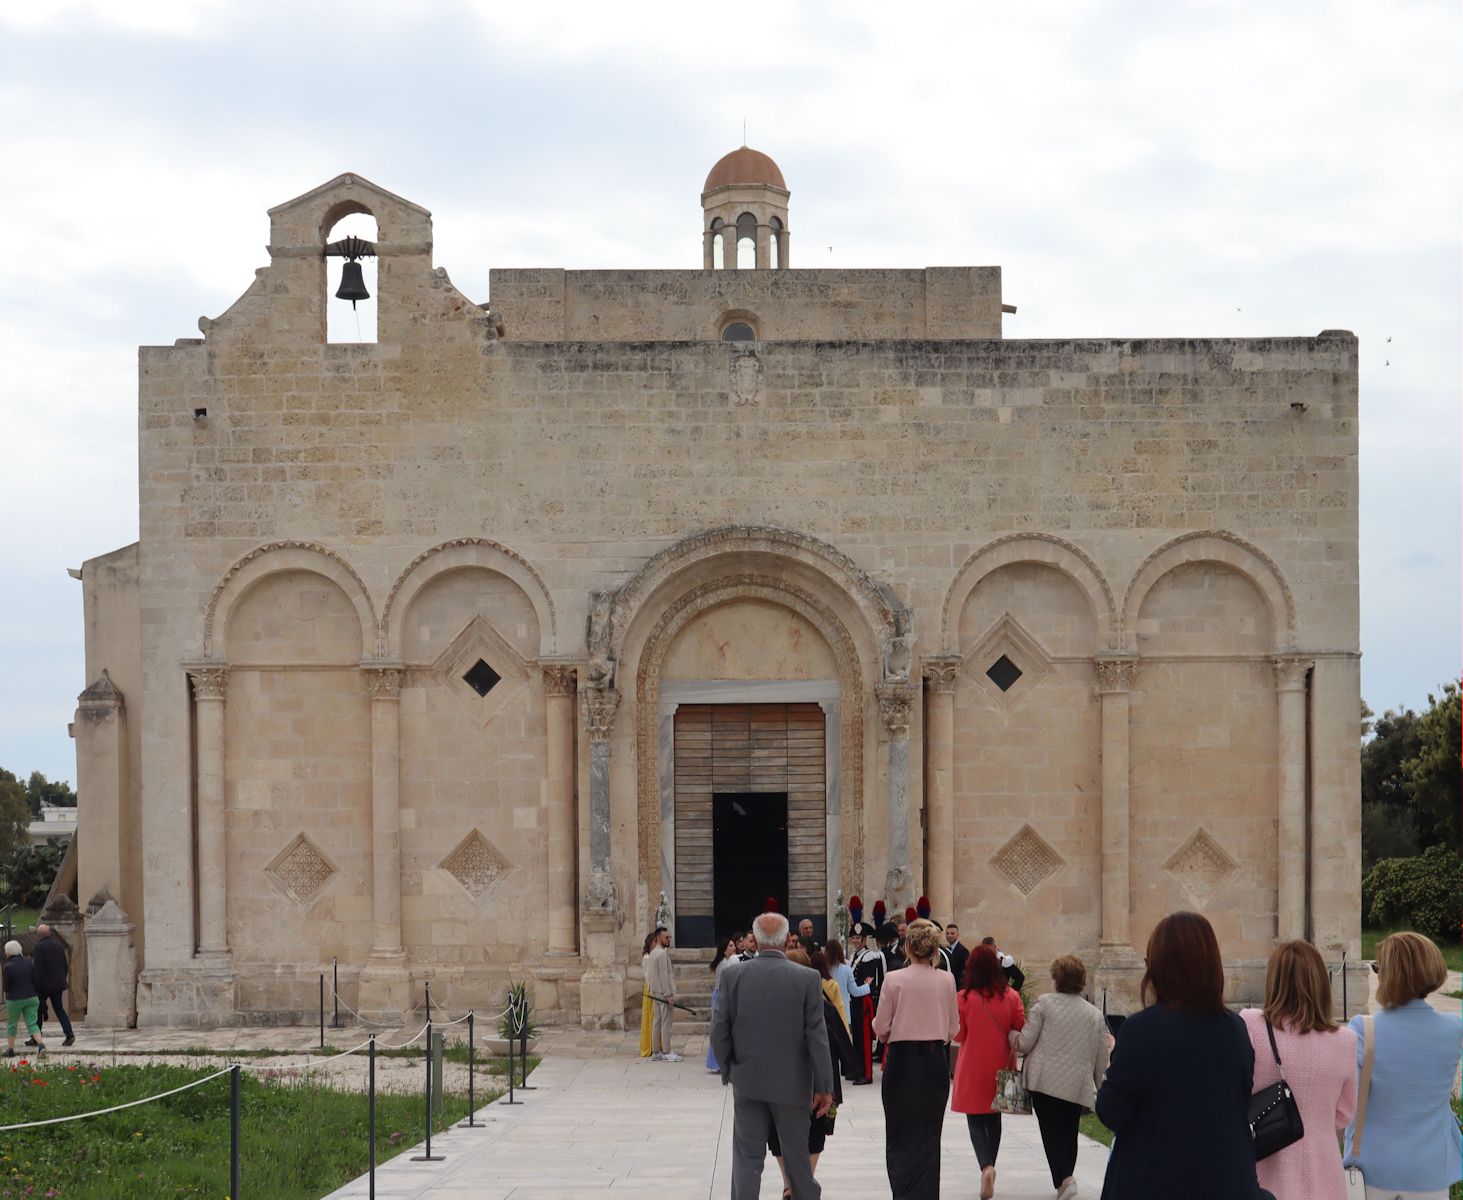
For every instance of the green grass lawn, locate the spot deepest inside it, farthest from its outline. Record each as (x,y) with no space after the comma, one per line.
(1452,951)
(297,1142)
(21,919)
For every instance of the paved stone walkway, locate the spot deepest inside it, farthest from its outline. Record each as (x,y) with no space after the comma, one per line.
(662,1131)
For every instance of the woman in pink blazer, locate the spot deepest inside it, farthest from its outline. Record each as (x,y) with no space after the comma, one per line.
(1319,1060)
(989,1011)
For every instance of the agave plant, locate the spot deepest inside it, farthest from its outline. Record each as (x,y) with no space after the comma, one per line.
(517,1019)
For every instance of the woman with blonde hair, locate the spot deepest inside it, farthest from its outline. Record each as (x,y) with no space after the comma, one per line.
(1294,1035)
(917,1019)
(1410,1144)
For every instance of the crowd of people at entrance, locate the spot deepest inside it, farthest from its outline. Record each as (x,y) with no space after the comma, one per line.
(1279,1101)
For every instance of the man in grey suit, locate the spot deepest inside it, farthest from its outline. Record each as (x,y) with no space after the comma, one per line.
(767,1033)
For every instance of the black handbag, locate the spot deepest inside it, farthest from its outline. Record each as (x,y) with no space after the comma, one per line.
(1274,1115)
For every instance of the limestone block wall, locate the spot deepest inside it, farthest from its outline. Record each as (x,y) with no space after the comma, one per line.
(550,305)
(570,463)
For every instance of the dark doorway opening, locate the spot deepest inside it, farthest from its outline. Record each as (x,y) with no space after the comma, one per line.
(749,856)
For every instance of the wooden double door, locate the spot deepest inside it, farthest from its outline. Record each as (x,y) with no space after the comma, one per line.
(750,817)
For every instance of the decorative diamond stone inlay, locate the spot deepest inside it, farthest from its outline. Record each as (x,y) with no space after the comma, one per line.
(1201,865)
(476,864)
(1026,860)
(301,869)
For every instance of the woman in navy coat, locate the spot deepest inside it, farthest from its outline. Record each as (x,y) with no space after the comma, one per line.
(1178,1087)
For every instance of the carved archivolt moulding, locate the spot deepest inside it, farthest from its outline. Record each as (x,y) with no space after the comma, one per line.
(335,568)
(1219,546)
(1115,674)
(851,710)
(209,683)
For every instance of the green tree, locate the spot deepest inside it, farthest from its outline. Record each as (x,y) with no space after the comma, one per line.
(14,814)
(1389,825)
(39,790)
(1435,769)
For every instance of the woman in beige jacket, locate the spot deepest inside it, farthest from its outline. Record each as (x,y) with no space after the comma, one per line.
(1066,1047)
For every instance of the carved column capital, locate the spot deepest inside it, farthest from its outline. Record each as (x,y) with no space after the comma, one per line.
(383,683)
(1290,672)
(1115,673)
(896,707)
(209,683)
(560,679)
(942,672)
(600,706)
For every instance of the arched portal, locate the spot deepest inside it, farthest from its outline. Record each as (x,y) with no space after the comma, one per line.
(748,677)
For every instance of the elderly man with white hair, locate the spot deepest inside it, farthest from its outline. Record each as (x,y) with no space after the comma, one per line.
(767,1033)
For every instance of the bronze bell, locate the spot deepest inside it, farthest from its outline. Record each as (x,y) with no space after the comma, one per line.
(352,284)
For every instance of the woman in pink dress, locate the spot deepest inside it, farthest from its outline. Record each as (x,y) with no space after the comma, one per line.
(990,1010)
(1319,1060)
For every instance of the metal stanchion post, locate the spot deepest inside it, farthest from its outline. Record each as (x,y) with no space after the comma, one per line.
(1345,1011)
(371,1120)
(511,1071)
(234,1074)
(322,1010)
(427,994)
(427,1105)
(523,1085)
(335,991)
(471,1122)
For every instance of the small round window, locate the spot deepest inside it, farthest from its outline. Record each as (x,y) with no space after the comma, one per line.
(738,331)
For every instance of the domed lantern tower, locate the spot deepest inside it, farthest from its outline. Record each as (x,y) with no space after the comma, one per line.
(744,213)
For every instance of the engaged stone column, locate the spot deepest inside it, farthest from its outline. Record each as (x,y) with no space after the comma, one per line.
(1290,686)
(1114,679)
(559,686)
(602,986)
(384,982)
(384,686)
(600,705)
(896,710)
(209,686)
(942,674)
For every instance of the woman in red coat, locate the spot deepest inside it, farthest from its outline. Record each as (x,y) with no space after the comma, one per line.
(989,1011)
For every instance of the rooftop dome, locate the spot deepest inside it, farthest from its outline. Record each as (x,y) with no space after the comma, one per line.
(744,165)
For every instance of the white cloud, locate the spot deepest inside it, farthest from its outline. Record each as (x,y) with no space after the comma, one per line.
(1138,168)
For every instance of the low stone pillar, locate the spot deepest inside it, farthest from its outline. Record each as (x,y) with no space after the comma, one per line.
(67,923)
(112,969)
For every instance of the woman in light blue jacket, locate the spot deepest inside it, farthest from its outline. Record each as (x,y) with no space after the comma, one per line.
(1410,1145)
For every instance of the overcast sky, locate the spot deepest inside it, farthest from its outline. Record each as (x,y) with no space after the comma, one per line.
(1232,168)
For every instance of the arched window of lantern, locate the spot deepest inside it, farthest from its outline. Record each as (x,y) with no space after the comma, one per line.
(774,241)
(344,323)
(718,244)
(740,325)
(746,240)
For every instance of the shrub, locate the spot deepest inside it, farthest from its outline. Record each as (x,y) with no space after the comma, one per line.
(29,872)
(518,1020)
(1421,893)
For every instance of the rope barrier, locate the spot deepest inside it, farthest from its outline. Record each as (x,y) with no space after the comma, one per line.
(380,1025)
(101,1112)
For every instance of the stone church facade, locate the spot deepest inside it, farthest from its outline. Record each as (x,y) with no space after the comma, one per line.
(442,657)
